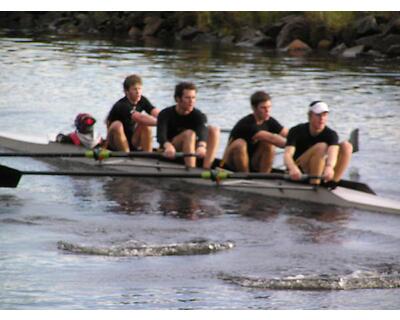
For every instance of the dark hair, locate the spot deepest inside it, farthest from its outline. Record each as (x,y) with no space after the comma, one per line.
(314,102)
(183,86)
(258,97)
(132,80)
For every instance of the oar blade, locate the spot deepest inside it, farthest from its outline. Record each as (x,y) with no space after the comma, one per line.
(9,177)
(354,140)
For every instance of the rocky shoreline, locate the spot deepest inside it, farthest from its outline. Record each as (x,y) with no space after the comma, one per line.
(375,34)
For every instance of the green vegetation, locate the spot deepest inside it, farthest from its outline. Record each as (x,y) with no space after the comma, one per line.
(226,22)
(334,20)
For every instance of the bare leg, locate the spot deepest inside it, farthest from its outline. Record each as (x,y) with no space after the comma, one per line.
(186,142)
(263,157)
(313,161)
(236,155)
(212,146)
(345,154)
(143,138)
(116,138)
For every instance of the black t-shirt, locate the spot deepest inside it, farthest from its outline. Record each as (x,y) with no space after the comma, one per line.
(123,110)
(300,137)
(247,127)
(170,124)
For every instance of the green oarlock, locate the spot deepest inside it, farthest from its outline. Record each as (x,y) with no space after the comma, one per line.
(98,154)
(104,154)
(206,174)
(89,154)
(223,175)
(215,175)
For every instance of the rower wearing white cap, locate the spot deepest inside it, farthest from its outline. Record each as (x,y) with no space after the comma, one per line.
(314,148)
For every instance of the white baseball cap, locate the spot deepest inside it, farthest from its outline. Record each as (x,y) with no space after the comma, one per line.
(318,107)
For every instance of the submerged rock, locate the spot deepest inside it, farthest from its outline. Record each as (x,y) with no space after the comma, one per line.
(142,250)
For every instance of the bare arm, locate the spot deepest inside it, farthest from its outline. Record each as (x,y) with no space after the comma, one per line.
(284,132)
(144,119)
(155,112)
(294,170)
(169,150)
(275,139)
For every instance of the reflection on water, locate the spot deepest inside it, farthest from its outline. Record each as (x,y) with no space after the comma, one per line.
(169,198)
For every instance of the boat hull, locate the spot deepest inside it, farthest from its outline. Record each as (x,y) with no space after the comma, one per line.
(340,196)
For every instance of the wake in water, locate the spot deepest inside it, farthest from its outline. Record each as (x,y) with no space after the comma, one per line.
(133,249)
(356,280)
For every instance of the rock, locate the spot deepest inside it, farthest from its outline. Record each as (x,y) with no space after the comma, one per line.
(353,51)
(273,30)
(379,42)
(393,26)
(246,34)
(366,26)
(298,45)
(373,53)
(389,41)
(85,23)
(318,33)
(152,25)
(205,37)
(324,44)
(265,42)
(134,32)
(394,50)
(26,21)
(381,19)
(296,28)
(363,27)
(370,41)
(227,39)
(100,17)
(338,49)
(251,37)
(188,33)
(68,28)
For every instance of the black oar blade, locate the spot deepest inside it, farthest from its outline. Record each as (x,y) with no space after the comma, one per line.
(9,177)
(354,140)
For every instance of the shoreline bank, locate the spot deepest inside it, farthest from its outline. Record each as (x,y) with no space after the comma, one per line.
(345,34)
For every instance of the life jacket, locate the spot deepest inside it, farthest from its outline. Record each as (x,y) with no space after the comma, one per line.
(88,140)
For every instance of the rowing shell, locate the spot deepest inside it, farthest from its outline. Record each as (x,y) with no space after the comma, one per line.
(350,194)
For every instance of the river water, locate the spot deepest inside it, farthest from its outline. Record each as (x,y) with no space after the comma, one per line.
(45,82)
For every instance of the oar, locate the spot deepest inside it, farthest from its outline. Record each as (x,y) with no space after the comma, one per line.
(97,154)
(10,177)
(354,140)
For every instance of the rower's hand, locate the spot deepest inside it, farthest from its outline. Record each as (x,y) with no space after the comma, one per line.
(201,151)
(170,152)
(295,174)
(328,173)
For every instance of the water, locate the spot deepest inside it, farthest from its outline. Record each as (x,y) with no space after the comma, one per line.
(45,82)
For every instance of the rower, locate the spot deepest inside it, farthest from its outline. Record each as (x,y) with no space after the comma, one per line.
(129,129)
(314,148)
(84,134)
(182,127)
(252,142)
